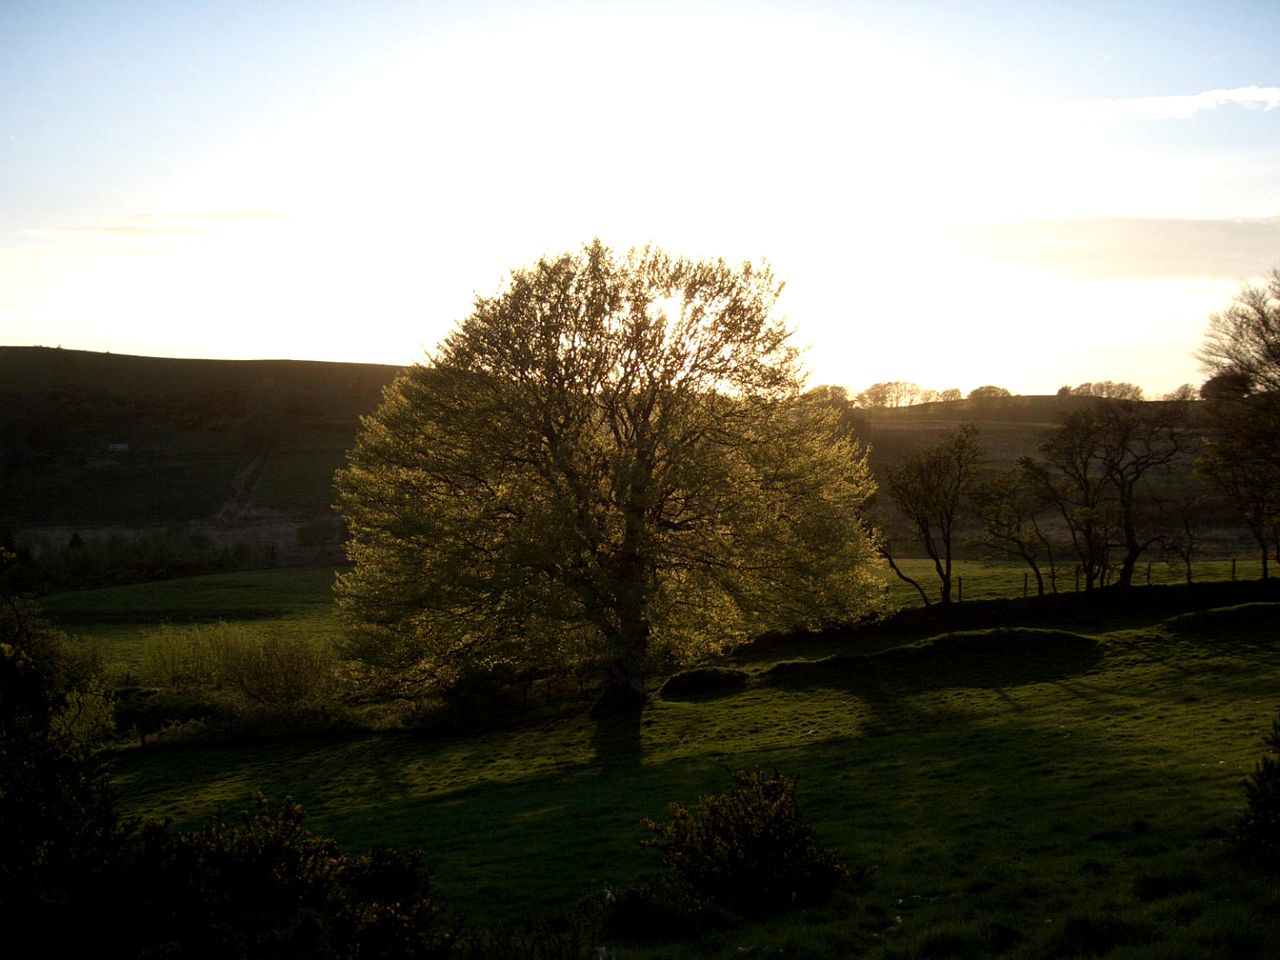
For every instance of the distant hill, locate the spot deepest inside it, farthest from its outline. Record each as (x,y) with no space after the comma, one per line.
(99,445)
(1009,427)
(234,448)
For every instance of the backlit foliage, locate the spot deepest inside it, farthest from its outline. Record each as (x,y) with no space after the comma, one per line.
(609,463)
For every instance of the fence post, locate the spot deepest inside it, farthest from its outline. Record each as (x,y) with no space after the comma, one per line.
(1233,569)
(1077,578)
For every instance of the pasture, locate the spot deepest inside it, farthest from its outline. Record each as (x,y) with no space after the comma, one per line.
(1020,794)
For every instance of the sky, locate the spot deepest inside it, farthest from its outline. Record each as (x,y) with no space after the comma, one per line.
(957,193)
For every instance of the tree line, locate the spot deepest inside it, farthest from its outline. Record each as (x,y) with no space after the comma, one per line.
(1116,480)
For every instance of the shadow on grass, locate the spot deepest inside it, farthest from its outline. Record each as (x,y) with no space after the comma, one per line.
(616,739)
(981,659)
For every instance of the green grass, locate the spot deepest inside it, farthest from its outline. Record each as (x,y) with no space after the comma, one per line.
(987,580)
(1021,794)
(294,602)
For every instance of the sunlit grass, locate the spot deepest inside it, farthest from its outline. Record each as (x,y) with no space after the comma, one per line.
(1013,806)
(1020,806)
(290,603)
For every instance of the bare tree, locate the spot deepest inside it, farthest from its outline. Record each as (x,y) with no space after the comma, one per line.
(1010,505)
(1241,352)
(1096,469)
(929,488)
(1244,339)
(1240,456)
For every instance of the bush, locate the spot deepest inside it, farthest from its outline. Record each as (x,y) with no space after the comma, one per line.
(268,887)
(1258,828)
(703,681)
(265,668)
(55,817)
(748,850)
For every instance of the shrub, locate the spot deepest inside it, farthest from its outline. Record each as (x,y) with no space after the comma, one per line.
(1258,828)
(55,815)
(748,850)
(263,667)
(703,681)
(268,887)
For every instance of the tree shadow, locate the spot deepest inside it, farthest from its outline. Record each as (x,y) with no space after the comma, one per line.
(988,660)
(616,739)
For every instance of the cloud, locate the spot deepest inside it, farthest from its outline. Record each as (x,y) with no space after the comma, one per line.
(1133,247)
(1181,107)
(150,226)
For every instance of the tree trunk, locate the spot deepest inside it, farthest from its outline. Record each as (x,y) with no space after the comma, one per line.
(1035,568)
(903,577)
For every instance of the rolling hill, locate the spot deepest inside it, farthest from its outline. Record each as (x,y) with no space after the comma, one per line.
(97,445)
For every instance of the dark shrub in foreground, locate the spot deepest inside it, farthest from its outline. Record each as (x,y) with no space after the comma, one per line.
(1258,829)
(747,851)
(268,887)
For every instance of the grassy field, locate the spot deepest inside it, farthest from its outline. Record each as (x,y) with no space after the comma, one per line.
(980,580)
(1051,796)
(298,601)
(291,601)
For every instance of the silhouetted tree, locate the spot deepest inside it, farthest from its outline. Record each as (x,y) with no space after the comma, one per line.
(612,461)
(891,393)
(1185,530)
(1241,454)
(1182,394)
(1010,505)
(1095,470)
(1244,339)
(1108,389)
(988,392)
(929,488)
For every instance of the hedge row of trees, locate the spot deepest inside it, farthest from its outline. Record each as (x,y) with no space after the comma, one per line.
(1110,483)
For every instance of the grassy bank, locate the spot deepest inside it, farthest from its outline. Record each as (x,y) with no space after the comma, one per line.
(1020,795)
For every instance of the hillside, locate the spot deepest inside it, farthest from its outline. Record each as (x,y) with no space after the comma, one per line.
(241,453)
(100,443)
(1010,427)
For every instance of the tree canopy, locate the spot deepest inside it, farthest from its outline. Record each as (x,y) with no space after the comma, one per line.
(1244,339)
(1241,352)
(609,463)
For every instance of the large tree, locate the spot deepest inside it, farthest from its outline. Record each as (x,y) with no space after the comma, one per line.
(609,462)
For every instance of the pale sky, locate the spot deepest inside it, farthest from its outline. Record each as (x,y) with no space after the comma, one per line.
(957,193)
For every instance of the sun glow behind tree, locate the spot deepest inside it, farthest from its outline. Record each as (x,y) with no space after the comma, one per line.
(390,165)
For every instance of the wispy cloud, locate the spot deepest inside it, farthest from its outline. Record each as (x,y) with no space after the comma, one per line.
(1181,107)
(1131,247)
(150,226)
